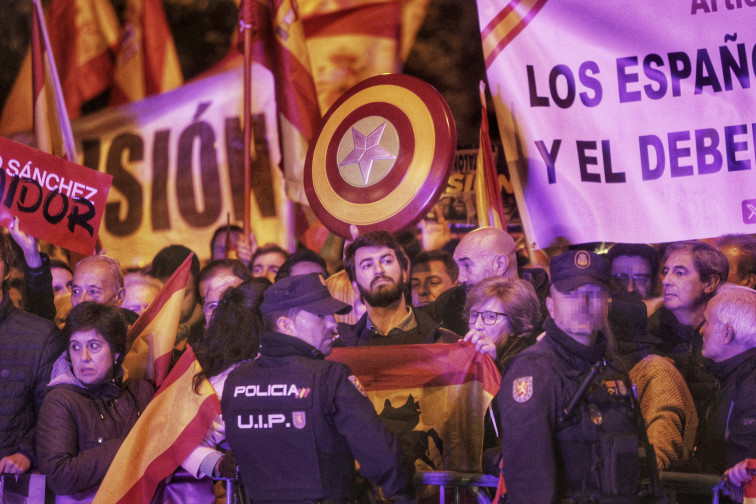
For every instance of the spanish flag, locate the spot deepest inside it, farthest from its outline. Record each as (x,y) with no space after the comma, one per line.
(750,487)
(487,188)
(147,62)
(83,34)
(296,98)
(171,427)
(432,397)
(153,336)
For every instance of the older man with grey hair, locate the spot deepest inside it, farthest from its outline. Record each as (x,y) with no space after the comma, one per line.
(729,340)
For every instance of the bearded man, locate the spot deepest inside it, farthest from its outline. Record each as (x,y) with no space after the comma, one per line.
(378,269)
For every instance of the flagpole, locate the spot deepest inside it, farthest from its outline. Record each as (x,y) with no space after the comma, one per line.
(248,27)
(65,125)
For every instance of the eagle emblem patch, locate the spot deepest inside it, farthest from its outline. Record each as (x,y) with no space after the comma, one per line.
(522,389)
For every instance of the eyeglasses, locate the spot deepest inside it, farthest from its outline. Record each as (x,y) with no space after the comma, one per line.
(489,317)
(640,280)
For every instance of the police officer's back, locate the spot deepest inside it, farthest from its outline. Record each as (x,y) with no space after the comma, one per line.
(571,429)
(295,421)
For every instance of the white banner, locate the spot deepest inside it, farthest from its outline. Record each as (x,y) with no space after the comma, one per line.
(626,121)
(177,167)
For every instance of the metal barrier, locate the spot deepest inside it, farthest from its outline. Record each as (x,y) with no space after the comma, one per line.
(673,483)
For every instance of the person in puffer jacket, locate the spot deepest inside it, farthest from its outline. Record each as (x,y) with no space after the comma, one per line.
(90,408)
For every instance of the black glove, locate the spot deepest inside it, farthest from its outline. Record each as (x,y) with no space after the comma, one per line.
(227,466)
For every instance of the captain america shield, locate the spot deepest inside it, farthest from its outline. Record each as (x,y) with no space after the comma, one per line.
(382,155)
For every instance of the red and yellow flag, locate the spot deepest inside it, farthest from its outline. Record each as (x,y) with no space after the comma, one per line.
(432,397)
(52,128)
(487,188)
(171,427)
(153,335)
(83,35)
(749,496)
(147,62)
(506,25)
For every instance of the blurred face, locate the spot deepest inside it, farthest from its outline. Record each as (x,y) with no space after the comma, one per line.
(317,330)
(94,282)
(219,286)
(429,280)
(474,264)
(91,357)
(378,275)
(580,312)
(219,246)
(62,281)
(139,296)
(713,332)
(266,265)
(684,290)
(485,312)
(632,274)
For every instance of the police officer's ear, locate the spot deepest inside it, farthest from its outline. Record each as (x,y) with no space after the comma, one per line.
(285,325)
(550,306)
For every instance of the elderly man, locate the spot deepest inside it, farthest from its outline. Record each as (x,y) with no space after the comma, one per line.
(691,273)
(570,426)
(485,252)
(28,347)
(99,278)
(729,340)
(378,269)
(311,416)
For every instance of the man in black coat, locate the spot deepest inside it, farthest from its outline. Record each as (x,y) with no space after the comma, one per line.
(28,347)
(729,340)
(295,421)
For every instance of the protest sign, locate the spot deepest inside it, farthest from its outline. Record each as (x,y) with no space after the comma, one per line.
(55,200)
(627,122)
(177,166)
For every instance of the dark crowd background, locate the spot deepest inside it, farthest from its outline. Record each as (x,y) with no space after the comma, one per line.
(447,53)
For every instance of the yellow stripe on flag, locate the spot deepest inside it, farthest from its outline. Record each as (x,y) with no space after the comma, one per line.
(153,335)
(171,427)
(505,26)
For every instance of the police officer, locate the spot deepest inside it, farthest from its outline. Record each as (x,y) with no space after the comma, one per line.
(295,421)
(571,429)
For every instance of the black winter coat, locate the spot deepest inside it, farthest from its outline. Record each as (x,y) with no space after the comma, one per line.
(80,430)
(28,347)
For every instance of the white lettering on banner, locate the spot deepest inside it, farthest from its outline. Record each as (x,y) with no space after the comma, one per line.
(50,181)
(270,421)
(277,390)
(633,134)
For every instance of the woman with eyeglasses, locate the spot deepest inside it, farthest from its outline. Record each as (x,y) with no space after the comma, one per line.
(503,315)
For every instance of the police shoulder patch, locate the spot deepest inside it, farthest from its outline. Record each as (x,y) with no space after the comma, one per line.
(357,385)
(522,389)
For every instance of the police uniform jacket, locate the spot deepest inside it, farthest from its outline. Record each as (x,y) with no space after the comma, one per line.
(296,423)
(729,434)
(549,459)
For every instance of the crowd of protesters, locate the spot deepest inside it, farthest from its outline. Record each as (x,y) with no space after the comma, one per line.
(615,364)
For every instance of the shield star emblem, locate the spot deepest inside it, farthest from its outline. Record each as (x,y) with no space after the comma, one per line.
(382,155)
(522,389)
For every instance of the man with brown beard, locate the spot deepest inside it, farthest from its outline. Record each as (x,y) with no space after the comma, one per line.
(378,269)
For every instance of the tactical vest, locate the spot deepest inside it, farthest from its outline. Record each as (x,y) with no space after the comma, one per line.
(603,444)
(286,448)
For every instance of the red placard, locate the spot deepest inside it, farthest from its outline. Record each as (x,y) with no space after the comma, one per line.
(55,200)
